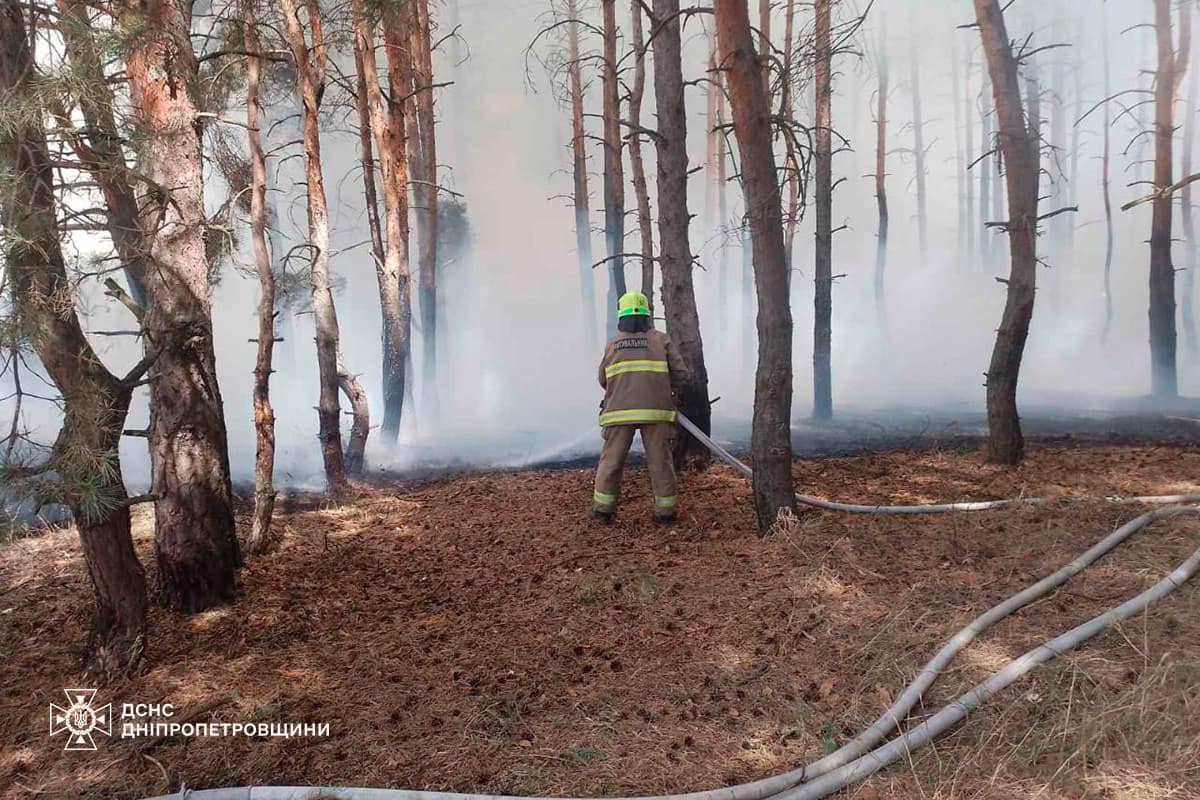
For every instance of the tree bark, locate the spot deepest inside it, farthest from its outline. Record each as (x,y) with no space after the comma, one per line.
(823,164)
(195,542)
(264,415)
(679,297)
(787,111)
(85,455)
(1172,64)
(614,178)
(425,192)
(1018,139)
(636,164)
(880,175)
(99,146)
(360,426)
(770,439)
(392,271)
(583,227)
(366,149)
(309,75)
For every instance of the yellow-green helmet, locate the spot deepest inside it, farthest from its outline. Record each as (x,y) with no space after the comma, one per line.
(633,304)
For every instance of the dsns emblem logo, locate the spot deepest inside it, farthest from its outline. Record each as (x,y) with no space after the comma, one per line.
(79,719)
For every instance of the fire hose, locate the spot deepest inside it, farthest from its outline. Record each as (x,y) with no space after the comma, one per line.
(865,754)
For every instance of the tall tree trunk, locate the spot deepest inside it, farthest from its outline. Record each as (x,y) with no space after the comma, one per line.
(764,45)
(960,151)
(1056,235)
(918,123)
(1188,300)
(823,163)
(614,176)
(391,271)
(310,86)
(1019,143)
(1105,161)
(1073,163)
(583,228)
(880,175)
(712,135)
(787,111)
(770,439)
(195,542)
(366,149)
(679,297)
(425,192)
(99,146)
(636,164)
(264,416)
(723,284)
(1172,64)
(85,455)
(985,186)
(969,127)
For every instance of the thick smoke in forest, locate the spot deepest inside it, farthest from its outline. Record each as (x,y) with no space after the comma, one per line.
(516,382)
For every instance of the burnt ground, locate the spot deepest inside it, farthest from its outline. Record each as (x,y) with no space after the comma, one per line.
(477,633)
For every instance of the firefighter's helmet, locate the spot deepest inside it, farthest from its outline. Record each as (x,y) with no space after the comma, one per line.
(633,304)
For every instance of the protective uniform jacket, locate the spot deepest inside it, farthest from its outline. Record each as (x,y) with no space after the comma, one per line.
(636,373)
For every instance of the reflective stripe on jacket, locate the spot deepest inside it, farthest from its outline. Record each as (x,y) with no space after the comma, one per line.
(636,373)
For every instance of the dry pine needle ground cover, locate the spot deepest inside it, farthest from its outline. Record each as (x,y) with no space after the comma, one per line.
(479,634)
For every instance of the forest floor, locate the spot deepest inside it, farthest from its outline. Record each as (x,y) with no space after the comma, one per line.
(478,633)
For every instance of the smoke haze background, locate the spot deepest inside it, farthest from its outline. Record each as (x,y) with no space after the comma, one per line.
(517,381)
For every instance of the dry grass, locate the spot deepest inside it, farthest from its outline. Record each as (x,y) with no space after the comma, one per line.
(478,634)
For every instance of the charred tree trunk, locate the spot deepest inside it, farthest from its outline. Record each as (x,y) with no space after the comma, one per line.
(636,163)
(770,440)
(918,123)
(614,174)
(195,542)
(309,66)
(1172,63)
(679,297)
(823,163)
(391,271)
(583,228)
(264,416)
(880,174)
(85,455)
(1019,143)
(425,192)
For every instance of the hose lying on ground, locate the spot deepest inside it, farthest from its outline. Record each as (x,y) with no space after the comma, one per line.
(956,711)
(849,764)
(930,508)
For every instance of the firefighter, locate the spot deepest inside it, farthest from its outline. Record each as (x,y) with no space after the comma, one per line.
(638,372)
